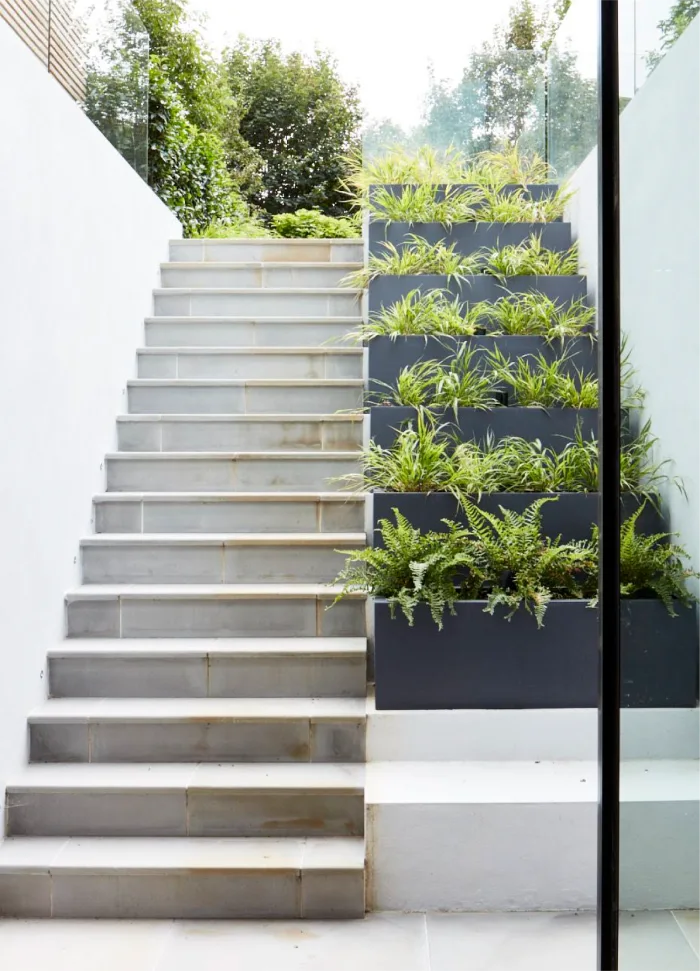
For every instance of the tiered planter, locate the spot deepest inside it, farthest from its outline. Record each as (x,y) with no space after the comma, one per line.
(484,661)
(480,661)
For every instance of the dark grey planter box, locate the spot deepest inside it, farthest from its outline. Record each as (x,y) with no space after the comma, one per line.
(468,237)
(570,517)
(534,190)
(553,427)
(480,661)
(386,290)
(387,356)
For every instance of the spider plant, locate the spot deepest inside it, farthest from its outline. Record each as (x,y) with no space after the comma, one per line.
(510,167)
(416,257)
(536,314)
(417,461)
(421,314)
(537,381)
(530,258)
(458,382)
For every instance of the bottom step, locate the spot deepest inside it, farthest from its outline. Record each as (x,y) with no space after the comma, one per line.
(182,878)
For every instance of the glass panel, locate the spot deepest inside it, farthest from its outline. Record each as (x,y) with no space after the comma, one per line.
(116,49)
(498,101)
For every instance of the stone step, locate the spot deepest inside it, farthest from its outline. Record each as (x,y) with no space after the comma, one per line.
(229,512)
(227,471)
(257,396)
(198,730)
(182,878)
(251,362)
(255,433)
(264,250)
(273,667)
(216,558)
(216,610)
(254,301)
(202,800)
(305,275)
(244,332)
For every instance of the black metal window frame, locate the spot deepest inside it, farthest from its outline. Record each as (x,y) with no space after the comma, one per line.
(609,485)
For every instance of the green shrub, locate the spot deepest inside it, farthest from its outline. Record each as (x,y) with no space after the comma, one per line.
(312,224)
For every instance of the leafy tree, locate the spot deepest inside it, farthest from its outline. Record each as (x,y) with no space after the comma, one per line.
(680,16)
(302,119)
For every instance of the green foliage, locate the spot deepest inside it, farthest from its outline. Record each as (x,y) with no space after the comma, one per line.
(504,559)
(312,224)
(530,258)
(247,227)
(423,202)
(535,314)
(187,165)
(417,257)
(426,458)
(412,568)
(420,314)
(521,567)
(650,565)
(548,384)
(680,16)
(301,119)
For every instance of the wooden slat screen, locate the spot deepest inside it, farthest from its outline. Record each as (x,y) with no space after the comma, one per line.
(48,29)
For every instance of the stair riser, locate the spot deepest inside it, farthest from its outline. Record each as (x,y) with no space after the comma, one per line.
(242,399)
(212,333)
(254,436)
(196,740)
(207,617)
(184,894)
(249,276)
(192,251)
(200,516)
(191,812)
(214,677)
(266,303)
(211,564)
(225,474)
(244,366)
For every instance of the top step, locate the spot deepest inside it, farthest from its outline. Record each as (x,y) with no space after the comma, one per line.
(266,250)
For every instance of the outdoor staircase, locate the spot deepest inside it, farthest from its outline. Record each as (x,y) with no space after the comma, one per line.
(201,753)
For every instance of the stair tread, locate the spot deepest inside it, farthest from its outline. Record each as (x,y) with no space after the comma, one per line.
(89,710)
(223,646)
(267,291)
(243,382)
(222,539)
(176,776)
(254,350)
(147,854)
(256,419)
(229,496)
(261,264)
(288,319)
(300,455)
(214,591)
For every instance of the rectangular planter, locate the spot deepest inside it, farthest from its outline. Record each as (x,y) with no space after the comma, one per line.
(570,517)
(387,290)
(480,661)
(387,355)
(468,237)
(540,190)
(553,427)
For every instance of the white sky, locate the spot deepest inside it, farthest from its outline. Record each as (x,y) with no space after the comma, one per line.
(384,48)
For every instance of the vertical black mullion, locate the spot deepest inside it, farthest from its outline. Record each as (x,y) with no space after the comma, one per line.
(609,485)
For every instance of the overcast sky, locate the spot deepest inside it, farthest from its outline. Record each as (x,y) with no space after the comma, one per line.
(386,48)
(383,47)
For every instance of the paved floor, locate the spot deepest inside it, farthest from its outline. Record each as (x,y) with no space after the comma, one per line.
(382,942)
